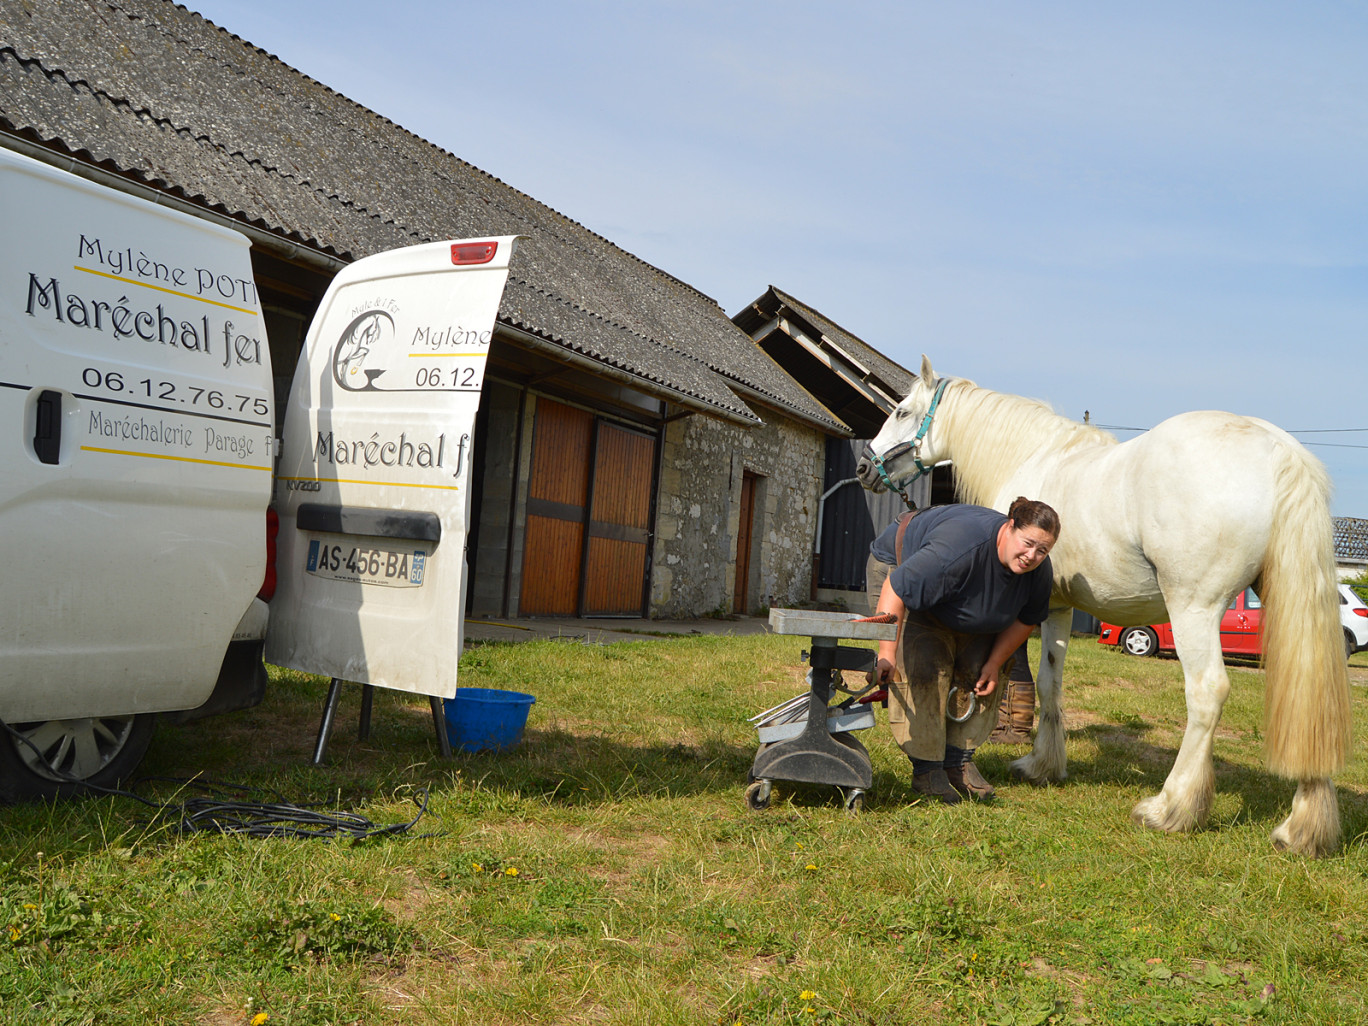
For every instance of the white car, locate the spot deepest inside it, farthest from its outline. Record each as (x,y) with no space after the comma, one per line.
(1354,617)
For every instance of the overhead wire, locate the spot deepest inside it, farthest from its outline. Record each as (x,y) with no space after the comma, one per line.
(1299,431)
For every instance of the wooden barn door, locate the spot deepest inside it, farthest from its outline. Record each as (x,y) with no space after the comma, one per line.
(557,494)
(619,522)
(588,516)
(744,540)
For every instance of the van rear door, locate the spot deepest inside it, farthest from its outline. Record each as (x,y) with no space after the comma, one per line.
(135,448)
(372,486)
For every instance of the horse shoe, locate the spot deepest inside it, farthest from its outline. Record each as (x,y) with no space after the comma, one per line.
(973,706)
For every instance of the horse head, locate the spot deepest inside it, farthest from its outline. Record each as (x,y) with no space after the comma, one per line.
(905,447)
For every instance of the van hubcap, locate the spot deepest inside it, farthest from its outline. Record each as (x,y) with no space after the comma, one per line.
(74,749)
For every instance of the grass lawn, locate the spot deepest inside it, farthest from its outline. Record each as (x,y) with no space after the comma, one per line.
(608,870)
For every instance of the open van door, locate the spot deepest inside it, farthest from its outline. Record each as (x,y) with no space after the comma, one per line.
(372,487)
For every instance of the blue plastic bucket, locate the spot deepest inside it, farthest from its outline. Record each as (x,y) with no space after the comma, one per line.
(486,719)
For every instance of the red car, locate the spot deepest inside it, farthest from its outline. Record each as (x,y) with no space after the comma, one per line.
(1239,631)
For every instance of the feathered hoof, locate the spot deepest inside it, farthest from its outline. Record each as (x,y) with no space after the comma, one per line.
(1158,813)
(1313,828)
(1032,771)
(1286,843)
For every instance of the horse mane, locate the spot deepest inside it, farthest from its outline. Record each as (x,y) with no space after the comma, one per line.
(995,433)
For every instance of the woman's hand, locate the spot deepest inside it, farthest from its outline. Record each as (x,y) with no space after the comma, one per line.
(881,674)
(1007,642)
(988,680)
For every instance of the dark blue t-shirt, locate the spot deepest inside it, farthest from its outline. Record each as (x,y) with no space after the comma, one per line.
(951,570)
(884,547)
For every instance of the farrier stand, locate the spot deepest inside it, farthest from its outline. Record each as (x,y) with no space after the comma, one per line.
(363,732)
(825,749)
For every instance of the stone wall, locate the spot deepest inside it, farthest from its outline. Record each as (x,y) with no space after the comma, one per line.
(698,519)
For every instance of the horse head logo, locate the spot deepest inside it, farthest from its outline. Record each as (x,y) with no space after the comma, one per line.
(362,337)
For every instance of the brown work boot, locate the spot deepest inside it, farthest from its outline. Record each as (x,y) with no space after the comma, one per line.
(935,784)
(1016,715)
(968,781)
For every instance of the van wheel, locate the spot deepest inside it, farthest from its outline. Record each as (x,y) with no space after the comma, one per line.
(1348,644)
(59,758)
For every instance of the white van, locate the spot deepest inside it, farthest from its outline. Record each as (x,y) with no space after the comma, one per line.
(138,465)
(135,475)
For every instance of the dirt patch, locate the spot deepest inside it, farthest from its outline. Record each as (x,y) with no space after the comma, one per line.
(1076,982)
(762,966)
(410,897)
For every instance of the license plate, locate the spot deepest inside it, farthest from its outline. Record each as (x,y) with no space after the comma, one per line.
(387,566)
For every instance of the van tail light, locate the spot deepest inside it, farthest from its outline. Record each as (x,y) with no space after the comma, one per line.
(268,584)
(466,253)
(1361,611)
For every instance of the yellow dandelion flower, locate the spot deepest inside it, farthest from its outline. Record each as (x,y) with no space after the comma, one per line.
(810,866)
(511,871)
(807,995)
(14,933)
(334,917)
(477,867)
(29,905)
(260,1018)
(799,843)
(808,1009)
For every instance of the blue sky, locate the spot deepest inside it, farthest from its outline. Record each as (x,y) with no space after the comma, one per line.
(1133,210)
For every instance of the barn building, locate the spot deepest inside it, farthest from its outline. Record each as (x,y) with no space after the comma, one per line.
(638,453)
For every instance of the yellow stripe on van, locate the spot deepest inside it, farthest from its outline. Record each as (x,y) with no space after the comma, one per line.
(386,484)
(159,288)
(177,459)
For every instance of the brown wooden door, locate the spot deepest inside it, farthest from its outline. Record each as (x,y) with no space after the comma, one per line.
(746,522)
(619,522)
(557,493)
(594,475)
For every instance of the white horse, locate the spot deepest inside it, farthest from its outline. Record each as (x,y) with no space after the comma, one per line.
(1168,526)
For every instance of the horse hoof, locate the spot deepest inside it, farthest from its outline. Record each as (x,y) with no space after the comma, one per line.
(1025,771)
(1157,814)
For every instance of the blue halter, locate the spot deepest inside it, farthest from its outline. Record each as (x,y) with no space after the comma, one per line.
(900,450)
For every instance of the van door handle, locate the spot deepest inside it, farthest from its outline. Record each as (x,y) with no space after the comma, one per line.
(47,432)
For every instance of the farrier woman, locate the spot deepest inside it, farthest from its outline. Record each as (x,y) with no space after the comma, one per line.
(972,585)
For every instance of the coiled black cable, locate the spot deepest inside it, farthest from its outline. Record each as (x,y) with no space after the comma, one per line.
(225,809)
(222,811)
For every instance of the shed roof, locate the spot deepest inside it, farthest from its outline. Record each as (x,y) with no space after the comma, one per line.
(856,381)
(155,92)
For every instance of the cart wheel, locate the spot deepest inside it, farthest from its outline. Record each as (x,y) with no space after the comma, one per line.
(750,773)
(854,801)
(758,795)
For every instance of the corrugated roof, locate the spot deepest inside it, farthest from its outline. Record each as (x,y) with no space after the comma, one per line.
(1351,539)
(152,90)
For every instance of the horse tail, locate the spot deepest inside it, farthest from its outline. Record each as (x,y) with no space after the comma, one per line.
(1306,697)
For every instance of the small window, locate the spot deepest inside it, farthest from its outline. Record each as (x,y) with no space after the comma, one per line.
(1252,600)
